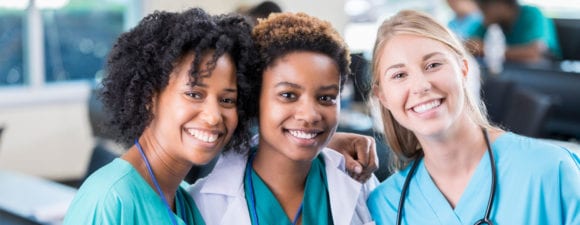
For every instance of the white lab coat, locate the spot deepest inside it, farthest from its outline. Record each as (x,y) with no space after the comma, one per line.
(220,196)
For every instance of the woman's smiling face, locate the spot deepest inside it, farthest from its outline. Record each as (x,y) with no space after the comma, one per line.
(299,105)
(197,121)
(421,83)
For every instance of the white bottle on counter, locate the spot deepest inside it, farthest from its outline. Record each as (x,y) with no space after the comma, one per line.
(494,47)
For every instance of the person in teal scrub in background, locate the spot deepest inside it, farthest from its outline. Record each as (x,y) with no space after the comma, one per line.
(454,167)
(290,177)
(530,36)
(467,18)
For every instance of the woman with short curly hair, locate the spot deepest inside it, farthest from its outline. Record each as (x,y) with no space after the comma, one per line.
(290,177)
(174,90)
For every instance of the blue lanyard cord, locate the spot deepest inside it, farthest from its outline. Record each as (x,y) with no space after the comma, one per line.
(253,211)
(171,215)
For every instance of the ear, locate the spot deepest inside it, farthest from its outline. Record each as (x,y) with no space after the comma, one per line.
(464,67)
(152,106)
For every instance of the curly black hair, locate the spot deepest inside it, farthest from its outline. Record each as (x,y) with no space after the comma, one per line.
(284,33)
(142,59)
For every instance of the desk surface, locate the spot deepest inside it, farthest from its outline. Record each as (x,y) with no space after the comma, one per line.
(33,198)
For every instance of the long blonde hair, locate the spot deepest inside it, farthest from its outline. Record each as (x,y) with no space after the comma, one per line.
(401,140)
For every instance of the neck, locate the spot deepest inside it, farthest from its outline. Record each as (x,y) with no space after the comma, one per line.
(168,171)
(447,156)
(285,177)
(280,172)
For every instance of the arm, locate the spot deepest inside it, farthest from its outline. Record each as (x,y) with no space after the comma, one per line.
(532,52)
(360,154)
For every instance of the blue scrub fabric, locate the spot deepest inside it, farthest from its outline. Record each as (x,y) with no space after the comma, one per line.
(537,183)
(466,27)
(117,194)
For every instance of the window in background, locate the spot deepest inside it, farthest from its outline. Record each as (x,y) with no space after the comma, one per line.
(11,46)
(557,8)
(77,39)
(71,38)
(365,17)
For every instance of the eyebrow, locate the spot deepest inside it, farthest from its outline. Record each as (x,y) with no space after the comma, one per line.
(284,83)
(431,55)
(293,85)
(426,57)
(191,84)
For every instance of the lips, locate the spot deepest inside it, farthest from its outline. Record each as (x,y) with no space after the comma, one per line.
(204,135)
(426,106)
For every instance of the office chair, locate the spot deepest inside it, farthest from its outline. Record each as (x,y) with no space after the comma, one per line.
(526,112)
(494,94)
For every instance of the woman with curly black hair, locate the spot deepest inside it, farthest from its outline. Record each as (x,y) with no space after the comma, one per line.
(290,177)
(175,87)
(174,91)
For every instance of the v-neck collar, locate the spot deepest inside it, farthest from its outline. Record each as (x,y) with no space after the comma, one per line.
(473,201)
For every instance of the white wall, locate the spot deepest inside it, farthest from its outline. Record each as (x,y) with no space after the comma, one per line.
(330,10)
(51,138)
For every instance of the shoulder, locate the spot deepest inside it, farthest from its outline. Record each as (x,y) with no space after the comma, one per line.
(530,12)
(226,178)
(531,152)
(389,191)
(103,196)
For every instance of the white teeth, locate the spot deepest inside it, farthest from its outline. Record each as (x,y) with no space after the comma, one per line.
(427,106)
(203,135)
(302,134)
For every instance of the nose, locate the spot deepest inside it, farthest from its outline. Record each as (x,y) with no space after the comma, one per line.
(308,111)
(421,84)
(211,113)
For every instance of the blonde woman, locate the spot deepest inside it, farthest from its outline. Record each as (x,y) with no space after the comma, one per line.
(456,168)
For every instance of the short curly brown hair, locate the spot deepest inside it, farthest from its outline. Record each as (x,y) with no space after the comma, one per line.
(284,33)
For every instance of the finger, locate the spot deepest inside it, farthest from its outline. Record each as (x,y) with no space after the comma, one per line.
(362,147)
(373,161)
(354,167)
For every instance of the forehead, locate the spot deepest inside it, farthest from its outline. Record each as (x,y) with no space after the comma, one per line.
(401,46)
(300,65)
(223,69)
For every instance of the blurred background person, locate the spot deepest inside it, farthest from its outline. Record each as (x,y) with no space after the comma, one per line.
(467,18)
(260,11)
(529,35)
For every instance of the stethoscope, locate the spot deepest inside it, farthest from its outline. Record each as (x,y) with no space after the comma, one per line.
(485,219)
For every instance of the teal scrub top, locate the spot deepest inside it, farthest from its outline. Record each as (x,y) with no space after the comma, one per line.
(467,26)
(531,25)
(537,183)
(316,205)
(117,194)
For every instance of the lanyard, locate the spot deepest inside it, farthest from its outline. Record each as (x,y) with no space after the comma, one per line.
(252,200)
(150,171)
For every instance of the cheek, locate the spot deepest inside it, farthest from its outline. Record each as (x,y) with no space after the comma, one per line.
(390,96)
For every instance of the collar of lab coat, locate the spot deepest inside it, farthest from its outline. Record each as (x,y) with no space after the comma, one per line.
(343,191)
(227,177)
(228,174)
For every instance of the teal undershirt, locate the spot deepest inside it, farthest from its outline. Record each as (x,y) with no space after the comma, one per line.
(315,200)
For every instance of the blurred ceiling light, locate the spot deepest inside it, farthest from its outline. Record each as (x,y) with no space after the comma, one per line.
(356,7)
(42,4)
